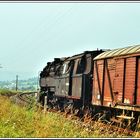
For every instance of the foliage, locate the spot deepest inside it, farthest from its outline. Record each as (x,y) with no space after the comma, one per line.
(7,92)
(28,84)
(20,122)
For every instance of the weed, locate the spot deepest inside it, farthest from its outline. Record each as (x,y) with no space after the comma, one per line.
(23,122)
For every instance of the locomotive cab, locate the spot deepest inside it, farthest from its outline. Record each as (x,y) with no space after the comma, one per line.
(73,85)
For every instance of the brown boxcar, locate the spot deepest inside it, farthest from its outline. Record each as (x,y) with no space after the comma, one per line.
(116,81)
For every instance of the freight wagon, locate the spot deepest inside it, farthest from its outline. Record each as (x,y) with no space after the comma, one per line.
(116,81)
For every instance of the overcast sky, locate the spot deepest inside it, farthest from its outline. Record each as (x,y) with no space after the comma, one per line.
(31,34)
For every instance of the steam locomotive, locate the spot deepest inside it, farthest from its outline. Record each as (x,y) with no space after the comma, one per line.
(98,82)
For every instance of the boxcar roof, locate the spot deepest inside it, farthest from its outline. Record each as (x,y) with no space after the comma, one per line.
(119,52)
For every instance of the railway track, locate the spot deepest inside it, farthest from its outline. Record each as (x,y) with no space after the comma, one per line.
(27,99)
(89,124)
(24,98)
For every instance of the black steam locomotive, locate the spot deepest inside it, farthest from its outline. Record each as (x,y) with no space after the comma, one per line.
(68,81)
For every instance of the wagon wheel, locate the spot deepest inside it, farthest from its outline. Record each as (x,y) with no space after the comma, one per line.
(87,115)
(130,124)
(55,106)
(125,123)
(97,116)
(76,111)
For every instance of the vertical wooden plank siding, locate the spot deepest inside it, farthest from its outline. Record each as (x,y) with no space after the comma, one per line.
(97,82)
(103,81)
(118,81)
(108,82)
(114,81)
(138,83)
(130,80)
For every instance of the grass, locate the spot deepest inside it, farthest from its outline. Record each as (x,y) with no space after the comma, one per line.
(21,122)
(7,92)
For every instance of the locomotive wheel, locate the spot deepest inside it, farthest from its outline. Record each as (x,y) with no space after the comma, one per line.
(76,111)
(68,108)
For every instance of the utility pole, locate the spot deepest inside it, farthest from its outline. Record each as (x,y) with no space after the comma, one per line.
(16,82)
(38,76)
